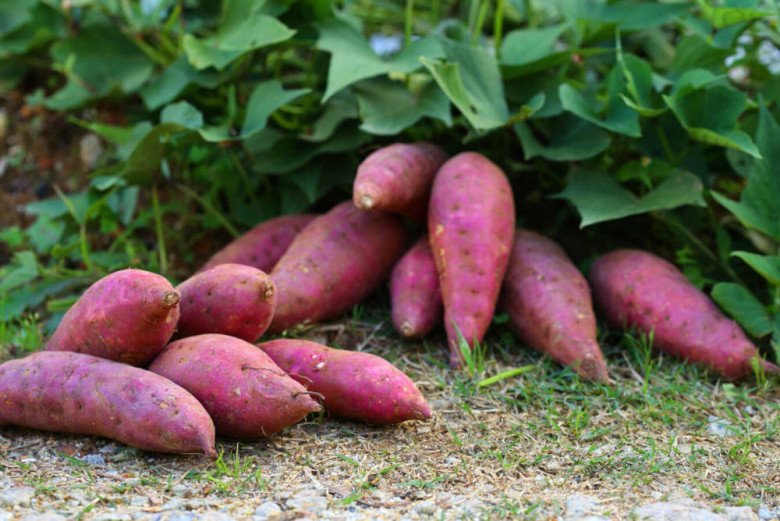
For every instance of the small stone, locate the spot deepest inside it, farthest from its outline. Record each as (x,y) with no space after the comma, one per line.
(181,490)
(668,511)
(47,516)
(177,515)
(6,515)
(719,427)
(580,504)
(173,504)
(740,514)
(90,150)
(767,514)
(308,501)
(112,516)
(109,448)
(425,508)
(216,516)
(17,496)
(266,511)
(94,459)
(451,461)
(139,501)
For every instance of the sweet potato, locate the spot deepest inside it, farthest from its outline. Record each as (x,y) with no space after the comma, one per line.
(83,394)
(398,178)
(414,292)
(471,223)
(247,395)
(640,290)
(354,385)
(334,263)
(230,299)
(549,305)
(262,246)
(127,316)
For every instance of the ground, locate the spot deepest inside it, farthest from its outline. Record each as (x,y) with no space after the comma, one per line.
(542,445)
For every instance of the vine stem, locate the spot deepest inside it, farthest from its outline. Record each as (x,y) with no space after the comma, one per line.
(158,226)
(408,22)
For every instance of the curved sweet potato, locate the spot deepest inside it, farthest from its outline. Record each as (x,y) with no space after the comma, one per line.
(83,394)
(127,316)
(230,299)
(549,305)
(334,263)
(414,292)
(398,178)
(637,289)
(354,385)
(262,246)
(247,395)
(471,223)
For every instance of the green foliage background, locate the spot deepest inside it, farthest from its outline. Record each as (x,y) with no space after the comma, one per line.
(655,121)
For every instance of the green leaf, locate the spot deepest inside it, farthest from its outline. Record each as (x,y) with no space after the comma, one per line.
(598,197)
(471,79)
(339,108)
(14,14)
(388,107)
(638,75)
(182,113)
(174,79)
(768,266)
(721,17)
(352,59)
(568,138)
(144,162)
(617,116)
(741,305)
(244,28)
(759,206)
(24,271)
(45,233)
(710,114)
(265,99)
(526,46)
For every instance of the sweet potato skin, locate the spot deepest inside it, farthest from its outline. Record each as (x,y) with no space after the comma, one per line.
(230,299)
(127,316)
(637,289)
(247,395)
(414,292)
(471,224)
(550,307)
(398,178)
(262,246)
(354,385)
(82,394)
(334,263)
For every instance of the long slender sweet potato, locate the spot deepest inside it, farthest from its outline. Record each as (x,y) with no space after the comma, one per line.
(262,246)
(398,178)
(471,223)
(230,299)
(83,394)
(247,395)
(637,289)
(414,292)
(354,385)
(127,316)
(334,263)
(549,305)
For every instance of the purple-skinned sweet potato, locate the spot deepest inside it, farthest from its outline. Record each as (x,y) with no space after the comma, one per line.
(247,395)
(127,316)
(414,292)
(354,385)
(230,299)
(398,178)
(82,394)
(640,290)
(471,224)
(262,246)
(549,305)
(334,263)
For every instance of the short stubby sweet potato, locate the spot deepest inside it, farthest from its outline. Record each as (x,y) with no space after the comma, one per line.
(398,178)
(549,305)
(262,246)
(334,263)
(230,299)
(471,224)
(82,394)
(127,316)
(247,395)
(639,290)
(415,295)
(354,385)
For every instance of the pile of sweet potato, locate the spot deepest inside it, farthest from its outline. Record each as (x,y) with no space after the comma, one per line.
(168,369)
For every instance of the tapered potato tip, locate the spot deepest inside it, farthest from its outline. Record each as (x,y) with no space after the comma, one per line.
(594,369)
(171,298)
(407,331)
(268,289)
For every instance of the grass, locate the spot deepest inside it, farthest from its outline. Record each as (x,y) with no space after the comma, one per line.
(521,444)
